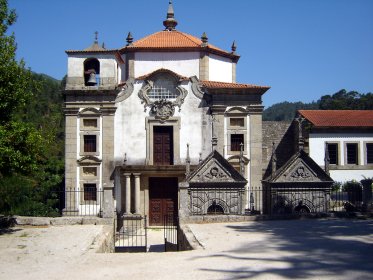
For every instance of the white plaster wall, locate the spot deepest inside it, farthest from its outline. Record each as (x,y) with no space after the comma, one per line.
(182,63)
(75,65)
(317,153)
(130,132)
(190,127)
(220,69)
(317,144)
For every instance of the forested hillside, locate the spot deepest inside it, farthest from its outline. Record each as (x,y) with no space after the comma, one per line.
(31,132)
(341,100)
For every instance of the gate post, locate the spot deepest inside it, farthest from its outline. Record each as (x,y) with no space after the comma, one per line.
(184,200)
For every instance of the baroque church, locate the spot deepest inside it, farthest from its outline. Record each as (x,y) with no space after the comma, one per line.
(161,127)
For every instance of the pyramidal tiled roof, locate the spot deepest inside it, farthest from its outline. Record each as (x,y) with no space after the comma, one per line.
(339,118)
(175,40)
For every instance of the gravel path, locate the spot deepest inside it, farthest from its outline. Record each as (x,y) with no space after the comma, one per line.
(302,249)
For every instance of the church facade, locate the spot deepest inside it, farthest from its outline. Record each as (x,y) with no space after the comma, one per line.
(144,119)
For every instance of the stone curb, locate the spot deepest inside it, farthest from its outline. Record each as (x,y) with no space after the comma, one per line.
(62,221)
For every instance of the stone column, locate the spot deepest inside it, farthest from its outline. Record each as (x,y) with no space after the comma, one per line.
(118,190)
(137,193)
(128,194)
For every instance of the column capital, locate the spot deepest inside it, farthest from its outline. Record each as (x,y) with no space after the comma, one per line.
(136,174)
(126,174)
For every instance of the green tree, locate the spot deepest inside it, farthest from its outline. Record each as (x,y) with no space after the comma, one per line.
(30,144)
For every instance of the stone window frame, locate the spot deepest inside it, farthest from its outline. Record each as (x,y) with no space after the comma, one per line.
(89,128)
(339,152)
(236,112)
(365,153)
(82,201)
(357,152)
(150,122)
(81,134)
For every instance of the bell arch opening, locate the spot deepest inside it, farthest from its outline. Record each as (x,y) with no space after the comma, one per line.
(91,72)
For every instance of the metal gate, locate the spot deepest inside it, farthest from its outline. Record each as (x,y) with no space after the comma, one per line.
(130,235)
(171,229)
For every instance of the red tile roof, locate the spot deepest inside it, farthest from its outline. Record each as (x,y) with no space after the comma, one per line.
(339,118)
(174,40)
(223,85)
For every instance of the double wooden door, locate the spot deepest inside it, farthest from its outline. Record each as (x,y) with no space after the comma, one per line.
(163,145)
(163,199)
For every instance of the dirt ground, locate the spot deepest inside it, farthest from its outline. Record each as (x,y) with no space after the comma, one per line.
(293,249)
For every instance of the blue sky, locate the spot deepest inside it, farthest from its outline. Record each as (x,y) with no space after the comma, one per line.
(303,49)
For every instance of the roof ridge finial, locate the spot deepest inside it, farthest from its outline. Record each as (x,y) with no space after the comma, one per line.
(170,22)
(96,37)
(234,47)
(129,39)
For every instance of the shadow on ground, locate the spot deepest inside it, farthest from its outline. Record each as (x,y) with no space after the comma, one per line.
(306,249)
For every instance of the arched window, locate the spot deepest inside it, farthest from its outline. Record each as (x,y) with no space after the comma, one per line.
(215,209)
(91,72)
(164,87)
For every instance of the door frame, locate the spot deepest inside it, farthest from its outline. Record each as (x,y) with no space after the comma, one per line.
(174,195)
(150,122)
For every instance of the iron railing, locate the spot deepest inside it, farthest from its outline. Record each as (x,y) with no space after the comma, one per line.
(171,230)
(87,202)
(302,200)
(130,235)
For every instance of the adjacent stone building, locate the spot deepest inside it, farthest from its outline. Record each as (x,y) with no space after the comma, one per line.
(146,117)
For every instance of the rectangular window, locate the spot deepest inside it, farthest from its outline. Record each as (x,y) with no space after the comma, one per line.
(89,143)
(237,122)
(369,149)
(90,123)
(90,192)
(333,153)
(352,153)
(236,140)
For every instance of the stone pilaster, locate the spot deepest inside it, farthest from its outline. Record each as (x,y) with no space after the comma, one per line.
(71,204)
(255,140)
(204,67)
(130,65)
(217,113)
(107,160)
(234,67)
(118,190)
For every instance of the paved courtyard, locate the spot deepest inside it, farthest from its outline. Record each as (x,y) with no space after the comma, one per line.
(293,249)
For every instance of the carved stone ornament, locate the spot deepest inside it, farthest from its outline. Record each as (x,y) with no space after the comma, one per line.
(196,87)
(162,109)
(126,90)
(156,104)
(300,172)
(213,172)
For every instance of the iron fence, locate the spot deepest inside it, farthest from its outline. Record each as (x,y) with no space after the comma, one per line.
(303,200)
(130,235)
(87,202)
(171,230)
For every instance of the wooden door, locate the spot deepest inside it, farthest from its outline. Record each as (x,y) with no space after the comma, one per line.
(162,199)
(163,145)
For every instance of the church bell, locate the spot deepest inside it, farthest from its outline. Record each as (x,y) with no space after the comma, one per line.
(92,79)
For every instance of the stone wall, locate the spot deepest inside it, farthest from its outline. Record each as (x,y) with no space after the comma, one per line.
(283,134)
